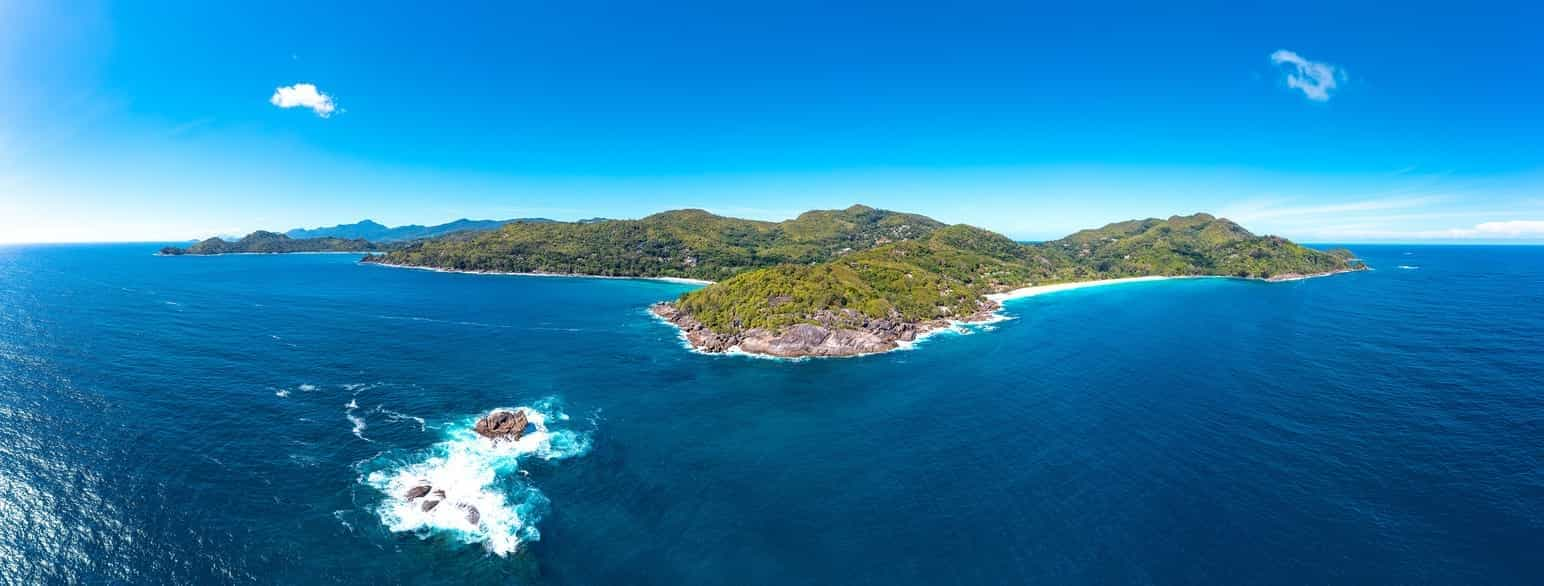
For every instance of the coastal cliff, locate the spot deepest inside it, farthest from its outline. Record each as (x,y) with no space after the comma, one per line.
(834,333)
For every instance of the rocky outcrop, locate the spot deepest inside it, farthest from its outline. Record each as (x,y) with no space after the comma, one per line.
(1300,276)
(501,424)
(418,491)
(698,335)
(831,333)
(432,497)
(814,340)
(472,516)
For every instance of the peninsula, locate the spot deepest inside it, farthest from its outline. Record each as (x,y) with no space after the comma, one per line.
(262,242)
(859,280)
(363,236)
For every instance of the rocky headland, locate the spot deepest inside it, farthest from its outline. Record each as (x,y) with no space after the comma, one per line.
(834,333)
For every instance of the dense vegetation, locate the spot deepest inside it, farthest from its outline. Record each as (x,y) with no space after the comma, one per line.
(947,274)
(875,263)
(681,243)
(1192,245)
(912,280)
(269,242)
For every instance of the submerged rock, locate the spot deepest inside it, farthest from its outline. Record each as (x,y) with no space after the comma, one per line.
(502,425)
(472,516)
(418,491)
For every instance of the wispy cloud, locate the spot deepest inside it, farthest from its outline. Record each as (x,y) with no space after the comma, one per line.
(188,126)
(1502,230)
(1315,78)
(1252,211)
(304,95)
(1507,229)
(1414,212)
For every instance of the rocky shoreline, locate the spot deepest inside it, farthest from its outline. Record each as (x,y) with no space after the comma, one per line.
(1299,276)
(835,334)
(846,332)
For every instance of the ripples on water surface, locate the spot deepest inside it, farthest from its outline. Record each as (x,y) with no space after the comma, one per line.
(251,419)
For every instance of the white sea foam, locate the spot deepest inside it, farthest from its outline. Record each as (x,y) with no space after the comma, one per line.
(338,514)
(394,416)
(443,321)
(307,388)
(958,328)
(282,392)
(1409,267)
(359,422)
(475,472)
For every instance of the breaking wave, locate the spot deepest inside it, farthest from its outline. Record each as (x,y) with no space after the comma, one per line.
(480,494)
(357,421)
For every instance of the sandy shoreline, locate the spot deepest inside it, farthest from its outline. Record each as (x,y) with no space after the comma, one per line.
(1032,291)
(967,326)
(1056,287)
(925,330)
(677,280)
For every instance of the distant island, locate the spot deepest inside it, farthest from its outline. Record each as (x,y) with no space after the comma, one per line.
(859,280)
(381,234)
(261,242)
(362,236)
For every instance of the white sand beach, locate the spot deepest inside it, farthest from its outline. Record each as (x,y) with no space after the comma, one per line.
(1044,289)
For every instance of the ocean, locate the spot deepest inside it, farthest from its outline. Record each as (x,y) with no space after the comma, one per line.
(254,419)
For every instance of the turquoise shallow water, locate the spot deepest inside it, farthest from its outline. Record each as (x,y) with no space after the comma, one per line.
(244,419)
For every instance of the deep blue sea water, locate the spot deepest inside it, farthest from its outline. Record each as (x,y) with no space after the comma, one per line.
(249,419)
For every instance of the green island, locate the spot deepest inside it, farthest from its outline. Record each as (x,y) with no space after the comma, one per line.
(262,242)
(859,280)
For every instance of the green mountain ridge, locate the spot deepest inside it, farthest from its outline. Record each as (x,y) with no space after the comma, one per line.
(948,274)
(380,233)
(890,274)
(271,242)
(678,243)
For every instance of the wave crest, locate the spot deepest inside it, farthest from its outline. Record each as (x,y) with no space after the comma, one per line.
(480,494)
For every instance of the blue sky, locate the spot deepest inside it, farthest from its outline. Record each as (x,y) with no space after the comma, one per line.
(1335,121)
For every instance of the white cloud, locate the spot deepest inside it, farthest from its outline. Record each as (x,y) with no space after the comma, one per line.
(1251,211)
(1509,229)
(304,95)
(1316,79)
